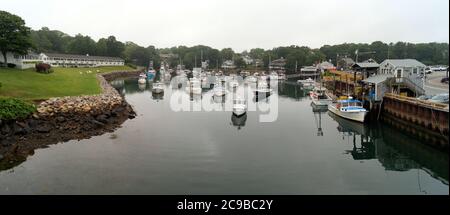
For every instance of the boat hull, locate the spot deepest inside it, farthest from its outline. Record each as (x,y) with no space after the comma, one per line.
(157,90)
(239,112)
(142,81)
(355,116)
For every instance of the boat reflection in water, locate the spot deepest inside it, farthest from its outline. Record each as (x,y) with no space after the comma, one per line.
(318,112)
(158,96)
(292,90)
(142,86)
(238,121)
(396,151)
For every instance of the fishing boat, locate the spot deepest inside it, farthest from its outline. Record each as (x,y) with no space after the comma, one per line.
(151,73)
(239,107)
(251,79)
(319,97)
(158,88)
(142,79)
(307,84)
(219,91)
(349,108)
(262,90)
(273,76)
(233,83)
(194,86)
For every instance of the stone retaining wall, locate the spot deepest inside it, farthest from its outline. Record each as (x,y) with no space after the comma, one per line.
(95,104)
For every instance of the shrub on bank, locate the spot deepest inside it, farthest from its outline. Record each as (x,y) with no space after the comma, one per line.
(11,109)
(43,68)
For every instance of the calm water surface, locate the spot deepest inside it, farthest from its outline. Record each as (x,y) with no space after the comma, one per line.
(167,152)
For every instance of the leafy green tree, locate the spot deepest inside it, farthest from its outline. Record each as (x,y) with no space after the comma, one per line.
(82,45)
(227,54)
(14,35)
(239,62)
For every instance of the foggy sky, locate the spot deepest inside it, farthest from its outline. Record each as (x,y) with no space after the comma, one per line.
(241,24)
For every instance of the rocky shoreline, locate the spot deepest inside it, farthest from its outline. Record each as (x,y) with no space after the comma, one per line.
(63,119)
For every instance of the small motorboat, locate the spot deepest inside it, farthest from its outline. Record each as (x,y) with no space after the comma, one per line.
(273,76)
(319,97)
(350,109)
(251,79)
(307,84)
(194,86)
(262,91)
(219,91)
(158,88)
(142,80)
(239,107)
(151,74)
(233,83)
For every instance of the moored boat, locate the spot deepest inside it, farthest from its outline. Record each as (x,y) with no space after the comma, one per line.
(158,88)
(350,109)
(307,84)
(319,97)
(239,107)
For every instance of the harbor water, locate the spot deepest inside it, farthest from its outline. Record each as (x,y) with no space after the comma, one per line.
(303,151)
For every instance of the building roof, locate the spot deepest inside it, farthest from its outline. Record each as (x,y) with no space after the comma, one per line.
(377,78)
(348,60)
(325,65)
(86,57)
(404,63)
(366,65)
(309,68)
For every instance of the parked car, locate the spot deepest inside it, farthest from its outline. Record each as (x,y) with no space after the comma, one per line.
(428,70)
(440,98)
(424,97)
(444,80)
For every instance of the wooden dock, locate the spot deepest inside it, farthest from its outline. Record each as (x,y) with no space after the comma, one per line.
(433,116)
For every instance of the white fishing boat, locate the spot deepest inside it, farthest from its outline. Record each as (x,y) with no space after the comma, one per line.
(262,90)
(320,98)
(158,87)
(307,84)
(219,90)
(194,86)
(239,107)
(142,80)
(350,109)
(273,76)
(251,79)
(233,83)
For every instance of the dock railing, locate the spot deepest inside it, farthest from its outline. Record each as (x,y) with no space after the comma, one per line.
(423,103)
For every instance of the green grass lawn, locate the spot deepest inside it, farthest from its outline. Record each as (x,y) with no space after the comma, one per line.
(30,85)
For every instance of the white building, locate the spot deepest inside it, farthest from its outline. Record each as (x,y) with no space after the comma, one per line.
(247,59)
(409,69)
(22,62)
(61,60)
(67,60)
(228,64)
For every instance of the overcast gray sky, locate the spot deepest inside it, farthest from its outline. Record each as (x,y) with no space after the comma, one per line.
(241,24)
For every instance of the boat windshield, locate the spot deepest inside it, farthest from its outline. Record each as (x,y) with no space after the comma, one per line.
(350,103)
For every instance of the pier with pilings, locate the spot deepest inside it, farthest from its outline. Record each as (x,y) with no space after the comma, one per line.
(428,115)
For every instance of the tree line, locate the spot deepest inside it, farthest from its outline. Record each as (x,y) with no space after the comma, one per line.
(46,40)
(20,38)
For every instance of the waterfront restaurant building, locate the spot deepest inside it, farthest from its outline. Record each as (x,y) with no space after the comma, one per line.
(61,60)
(228,64)
(278,65)
(309,72)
